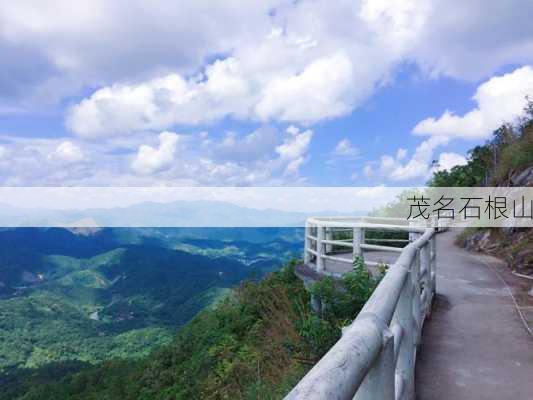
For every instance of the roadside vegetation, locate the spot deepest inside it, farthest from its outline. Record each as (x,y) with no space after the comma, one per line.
(509,151)
(503,161)
(255,344)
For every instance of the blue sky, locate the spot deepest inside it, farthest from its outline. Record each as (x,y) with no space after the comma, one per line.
(274,93)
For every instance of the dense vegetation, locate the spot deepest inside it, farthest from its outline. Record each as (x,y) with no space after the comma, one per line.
(491,164)
(507,154)
(256,343)
(113,293)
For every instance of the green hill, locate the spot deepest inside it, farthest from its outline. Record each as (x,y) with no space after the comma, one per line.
(254,344)
(66,296)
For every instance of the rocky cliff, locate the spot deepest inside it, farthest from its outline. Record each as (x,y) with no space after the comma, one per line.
(514,245)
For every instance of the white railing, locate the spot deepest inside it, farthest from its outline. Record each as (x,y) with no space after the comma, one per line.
(375,357)
(320,232)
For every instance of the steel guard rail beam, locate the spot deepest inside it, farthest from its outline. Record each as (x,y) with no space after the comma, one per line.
(375,357)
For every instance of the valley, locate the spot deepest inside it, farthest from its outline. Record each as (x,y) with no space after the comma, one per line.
(92,295)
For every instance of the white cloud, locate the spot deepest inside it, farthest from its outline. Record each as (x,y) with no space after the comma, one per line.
(300,62)
(67,152)
(449,160)
(40,162)
(345,148)
(52,51)
(266,157)
(150,159)
(473,39)
(401,153)
(295,146)
(254,146)
(300,70)
(419,166)
(322,90)
(294,150)
(500,99)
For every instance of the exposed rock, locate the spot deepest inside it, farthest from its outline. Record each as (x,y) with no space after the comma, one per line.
(481,241)
(522,178)
(515,246)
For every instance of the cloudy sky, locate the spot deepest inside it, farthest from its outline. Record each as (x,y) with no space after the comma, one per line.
(155,92)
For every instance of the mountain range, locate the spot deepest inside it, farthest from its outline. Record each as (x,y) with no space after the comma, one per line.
(153,214)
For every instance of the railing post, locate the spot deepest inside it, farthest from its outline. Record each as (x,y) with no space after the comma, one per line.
(357,240)
(319,248)
(307,242)
(380,380)
(433,264)
(413,235)
(426,280)
(329,236)
(405,364)
(415,278)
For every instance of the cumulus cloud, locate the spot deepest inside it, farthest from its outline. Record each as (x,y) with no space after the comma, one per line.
(419,166)
(345,148)
(30,161)
(294,149)
(254,146)
(53,51)
(150,159)
(196,63)
(302,61)
(67,152)
(449,160)
(72,48)
(472,39)
(322,90)
(162,102)
(299,70)
(272,158)
(500,99)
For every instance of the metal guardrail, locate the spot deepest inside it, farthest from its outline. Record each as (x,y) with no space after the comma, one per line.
(375,357)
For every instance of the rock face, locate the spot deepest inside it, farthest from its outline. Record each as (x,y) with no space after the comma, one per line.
(481,241)
(514,245)
(522,178)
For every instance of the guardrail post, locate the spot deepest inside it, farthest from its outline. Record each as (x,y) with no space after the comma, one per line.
(426,280)
(357,240)
(413,235)
(405,364)
(433,264)
(379,381)
(307,242)
(329,236)
(415,278)
(319,248)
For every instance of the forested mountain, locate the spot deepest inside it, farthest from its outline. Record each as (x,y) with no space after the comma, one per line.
(93,295)
(504,160)
(254,344)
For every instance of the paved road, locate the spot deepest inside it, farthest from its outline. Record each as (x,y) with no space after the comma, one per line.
(474,346)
